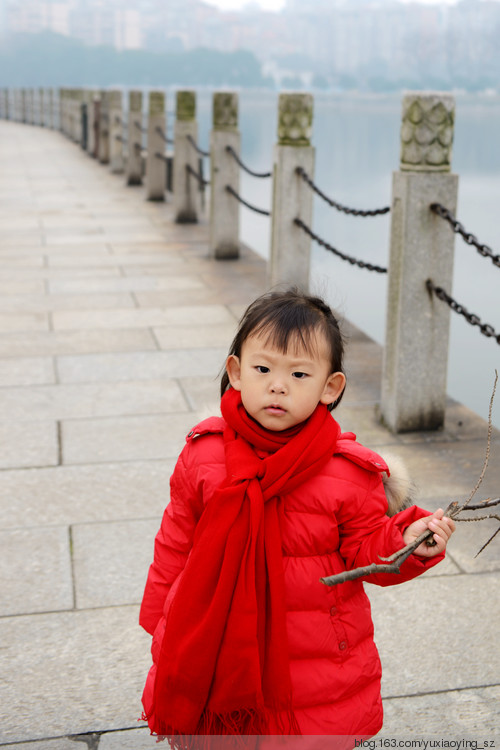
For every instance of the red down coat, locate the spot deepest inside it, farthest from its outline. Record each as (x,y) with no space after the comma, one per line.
(336,520)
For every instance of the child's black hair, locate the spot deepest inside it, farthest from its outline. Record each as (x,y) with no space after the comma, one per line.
(285,315)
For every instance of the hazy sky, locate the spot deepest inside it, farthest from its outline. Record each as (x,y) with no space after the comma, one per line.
(278,4)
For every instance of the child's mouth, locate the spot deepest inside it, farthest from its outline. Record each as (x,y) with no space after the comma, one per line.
(274,409)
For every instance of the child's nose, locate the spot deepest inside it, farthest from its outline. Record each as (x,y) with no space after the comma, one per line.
(278,387)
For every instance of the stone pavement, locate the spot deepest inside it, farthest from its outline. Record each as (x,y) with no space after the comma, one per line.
(114,323)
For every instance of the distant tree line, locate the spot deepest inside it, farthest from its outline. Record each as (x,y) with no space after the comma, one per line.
(51,60)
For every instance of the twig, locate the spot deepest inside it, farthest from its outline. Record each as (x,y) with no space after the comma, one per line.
(392,564)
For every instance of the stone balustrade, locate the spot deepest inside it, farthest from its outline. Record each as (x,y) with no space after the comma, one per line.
(421,246)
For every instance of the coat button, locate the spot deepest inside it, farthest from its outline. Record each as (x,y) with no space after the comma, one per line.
(343,645)
(333,611)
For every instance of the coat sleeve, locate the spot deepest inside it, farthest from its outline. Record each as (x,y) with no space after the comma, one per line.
(173,541)
(367,534)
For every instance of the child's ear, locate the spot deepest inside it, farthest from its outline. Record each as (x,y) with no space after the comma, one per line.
(233,370)
(333,388)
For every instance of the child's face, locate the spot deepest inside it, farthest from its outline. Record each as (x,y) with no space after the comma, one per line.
(280,390)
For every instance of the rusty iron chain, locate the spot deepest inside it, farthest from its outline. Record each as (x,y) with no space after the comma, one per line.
(327,246)
(352,211)
(162,133)
(230,150)
(196,147)
(233,192)
(193,173)
(469,238)
(471,318)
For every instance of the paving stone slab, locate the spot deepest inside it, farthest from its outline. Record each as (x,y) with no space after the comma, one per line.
(26,371)
(455,715)
(23,274)
(141,365)
(85,341)
(112,259)
(23,322)
(21,286)
(35,571)
(437,633)
(132,739)
(65,743)
(48,302)
(169,283)
(71,673)
(24,260)
(202,394)
(28,444)
(91,400)
(124,549)
(64,495)
(140,318)
(195,297)
(125,438)
(193,337)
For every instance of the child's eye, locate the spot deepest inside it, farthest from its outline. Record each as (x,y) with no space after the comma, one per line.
(299,375)
(262,369)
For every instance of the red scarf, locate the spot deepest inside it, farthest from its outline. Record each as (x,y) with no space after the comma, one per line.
(223,666)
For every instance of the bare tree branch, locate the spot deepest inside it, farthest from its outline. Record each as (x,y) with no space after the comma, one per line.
(392,564)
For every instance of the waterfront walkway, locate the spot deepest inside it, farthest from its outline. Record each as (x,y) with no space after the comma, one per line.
(114,323)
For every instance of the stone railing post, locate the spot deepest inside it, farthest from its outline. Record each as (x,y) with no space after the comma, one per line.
(224,211)
(187,200)
(61,107)
(134,139)
(116,161)
(290,245)
(84,114)
(421,247)
(88,98)
(42,118)
(30,106)
(94,125)
(24,105)
(51,112)
(156,174)
(4,104)
(103,154)
(77,115)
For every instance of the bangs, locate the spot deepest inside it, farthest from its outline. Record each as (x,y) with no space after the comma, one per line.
(285,337)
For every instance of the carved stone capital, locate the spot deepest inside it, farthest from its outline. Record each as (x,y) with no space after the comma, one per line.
(427,132)
(295,114)
(186,105)
(225,111)
(135,101)
(156,102)
(115,99)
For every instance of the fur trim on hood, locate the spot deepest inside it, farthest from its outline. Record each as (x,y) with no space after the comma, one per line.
(399,488)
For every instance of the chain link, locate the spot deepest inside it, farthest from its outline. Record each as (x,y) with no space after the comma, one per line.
(196,147)
(193,173)
(230,150)
(233,192)
(471,318)
(469,238)
(162,133)
(352,211)
(348,258)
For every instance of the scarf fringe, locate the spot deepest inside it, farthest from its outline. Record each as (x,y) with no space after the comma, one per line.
(239,728)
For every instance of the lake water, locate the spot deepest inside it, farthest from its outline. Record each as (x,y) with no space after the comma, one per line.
(357,148)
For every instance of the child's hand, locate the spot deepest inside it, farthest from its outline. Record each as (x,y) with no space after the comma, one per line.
(441,527)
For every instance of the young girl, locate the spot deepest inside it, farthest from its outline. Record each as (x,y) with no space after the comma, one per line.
(265,501)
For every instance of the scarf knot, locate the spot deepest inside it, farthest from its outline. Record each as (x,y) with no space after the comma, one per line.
(223,666)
